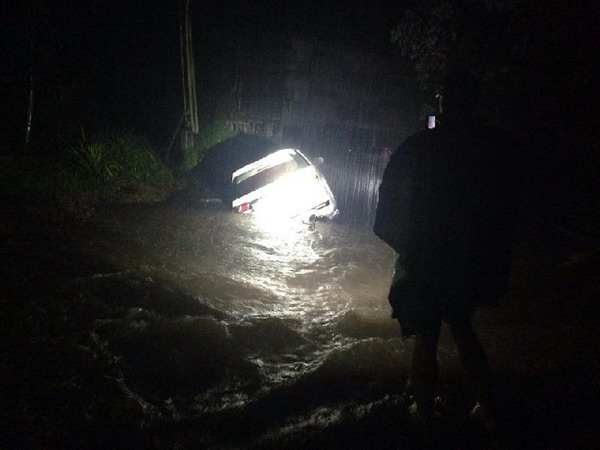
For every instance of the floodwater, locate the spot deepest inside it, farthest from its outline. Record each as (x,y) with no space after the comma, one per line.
(236,332)
(287,310)
(183,325)
(299,289)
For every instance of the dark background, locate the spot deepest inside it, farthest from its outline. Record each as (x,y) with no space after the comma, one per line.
(115,65)
(99,64)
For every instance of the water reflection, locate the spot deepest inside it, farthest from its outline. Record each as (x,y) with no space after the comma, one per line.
(290,297)
(312,273)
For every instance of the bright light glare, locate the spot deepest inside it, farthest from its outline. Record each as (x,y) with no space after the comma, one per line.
(292,195)
(281,186)
(272,160)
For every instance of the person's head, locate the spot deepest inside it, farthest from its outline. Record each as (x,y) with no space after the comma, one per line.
(461,94)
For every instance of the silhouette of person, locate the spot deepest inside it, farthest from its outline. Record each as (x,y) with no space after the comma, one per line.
(447,207)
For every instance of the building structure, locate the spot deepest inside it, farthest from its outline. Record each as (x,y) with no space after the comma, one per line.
(321,94)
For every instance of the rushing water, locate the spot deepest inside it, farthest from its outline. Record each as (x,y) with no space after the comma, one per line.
(255,269)
(285,305)
(189,326)
(308,281)
(206,329)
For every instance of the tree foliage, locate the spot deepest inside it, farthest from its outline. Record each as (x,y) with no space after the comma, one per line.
(427,35)
(527,55)
(537,64)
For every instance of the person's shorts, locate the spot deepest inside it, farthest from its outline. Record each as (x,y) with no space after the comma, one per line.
(422,304)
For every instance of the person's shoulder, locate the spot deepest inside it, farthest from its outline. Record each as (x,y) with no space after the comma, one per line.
(424,136)
(407,150)
(499,135)
(421,139)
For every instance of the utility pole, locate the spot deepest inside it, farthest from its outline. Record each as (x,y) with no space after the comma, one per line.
(32,49)
(190,105)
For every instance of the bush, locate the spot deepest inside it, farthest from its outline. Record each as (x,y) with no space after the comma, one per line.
(112,166)
(209,136)
(117,155)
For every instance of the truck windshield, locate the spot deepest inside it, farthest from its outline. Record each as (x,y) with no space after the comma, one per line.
(262,176)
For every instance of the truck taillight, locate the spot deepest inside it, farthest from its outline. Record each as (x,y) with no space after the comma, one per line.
(243,208)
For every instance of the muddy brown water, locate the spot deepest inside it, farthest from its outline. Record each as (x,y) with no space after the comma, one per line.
(224,331)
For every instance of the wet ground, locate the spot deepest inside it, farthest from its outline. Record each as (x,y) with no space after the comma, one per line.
(185,326)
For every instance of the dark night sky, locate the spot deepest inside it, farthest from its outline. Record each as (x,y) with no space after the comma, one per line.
(116,63)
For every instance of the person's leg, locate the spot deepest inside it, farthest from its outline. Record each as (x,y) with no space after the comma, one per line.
(424,375)
(474,361)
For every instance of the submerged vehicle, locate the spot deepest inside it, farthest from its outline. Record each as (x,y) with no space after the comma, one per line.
(284,184)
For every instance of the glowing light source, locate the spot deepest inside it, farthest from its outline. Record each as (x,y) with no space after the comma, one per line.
(283,184)
(431,122)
